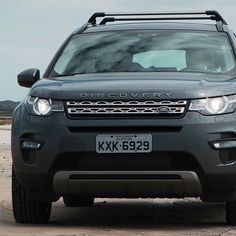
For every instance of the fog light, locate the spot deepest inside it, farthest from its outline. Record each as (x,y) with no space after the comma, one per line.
(226,144)
(31,145)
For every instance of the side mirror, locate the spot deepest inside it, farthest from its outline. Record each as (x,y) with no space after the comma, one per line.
(28,77)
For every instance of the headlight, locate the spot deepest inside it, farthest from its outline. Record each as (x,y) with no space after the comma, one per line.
(213,106)
(44,107)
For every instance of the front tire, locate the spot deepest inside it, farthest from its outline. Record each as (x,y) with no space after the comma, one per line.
(25,210)
(76,201)
(231,213)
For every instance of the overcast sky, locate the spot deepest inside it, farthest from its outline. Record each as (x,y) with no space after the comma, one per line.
(32,30)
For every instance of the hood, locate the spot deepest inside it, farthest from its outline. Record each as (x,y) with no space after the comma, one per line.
(133,86)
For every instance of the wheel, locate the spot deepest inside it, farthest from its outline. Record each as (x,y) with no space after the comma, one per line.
(76,201)
(25,210)
(231,213)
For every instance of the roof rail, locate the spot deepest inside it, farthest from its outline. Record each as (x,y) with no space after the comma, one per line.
(110,17)
(92,20)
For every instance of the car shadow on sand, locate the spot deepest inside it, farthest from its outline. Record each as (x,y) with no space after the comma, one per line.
(141,214)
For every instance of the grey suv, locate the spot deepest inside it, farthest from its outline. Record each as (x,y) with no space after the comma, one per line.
(145,108)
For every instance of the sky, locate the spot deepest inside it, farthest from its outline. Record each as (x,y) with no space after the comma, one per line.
(33,30)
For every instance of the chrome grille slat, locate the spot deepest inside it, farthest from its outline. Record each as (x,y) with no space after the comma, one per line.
(126,103)
(165,107)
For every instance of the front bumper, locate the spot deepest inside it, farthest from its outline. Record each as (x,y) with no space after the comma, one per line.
(190,134)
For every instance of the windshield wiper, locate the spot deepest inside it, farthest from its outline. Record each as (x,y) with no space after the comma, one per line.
(66,75)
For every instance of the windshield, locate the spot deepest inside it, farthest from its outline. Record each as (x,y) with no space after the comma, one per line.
(146,51)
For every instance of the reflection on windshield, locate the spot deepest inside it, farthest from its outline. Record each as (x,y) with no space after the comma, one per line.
(148,51)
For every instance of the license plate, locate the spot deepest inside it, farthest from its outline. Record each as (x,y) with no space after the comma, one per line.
(124,143)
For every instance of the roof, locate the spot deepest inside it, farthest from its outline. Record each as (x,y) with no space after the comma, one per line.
(152,26)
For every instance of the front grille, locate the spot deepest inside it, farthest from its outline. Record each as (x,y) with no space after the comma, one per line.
(95,108)
(159,161)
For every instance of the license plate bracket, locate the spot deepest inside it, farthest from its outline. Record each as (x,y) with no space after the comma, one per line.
(124,143)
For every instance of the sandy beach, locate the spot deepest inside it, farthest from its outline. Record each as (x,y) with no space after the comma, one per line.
(112,216)
(5,135)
